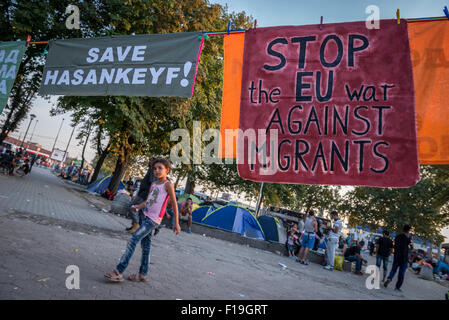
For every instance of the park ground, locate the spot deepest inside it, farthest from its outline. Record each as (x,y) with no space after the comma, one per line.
(47,224)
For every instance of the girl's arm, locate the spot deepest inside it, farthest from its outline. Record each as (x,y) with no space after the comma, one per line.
(171,193)
(139,206)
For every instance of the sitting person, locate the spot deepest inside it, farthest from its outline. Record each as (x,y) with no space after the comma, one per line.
(169,212)
(353,254)
(442,267)
(15,163)
(417,263)
(24,169)
(186,213)
(207,202)
(108,194)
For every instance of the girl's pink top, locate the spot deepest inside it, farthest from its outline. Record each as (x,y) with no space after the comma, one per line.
(156,202)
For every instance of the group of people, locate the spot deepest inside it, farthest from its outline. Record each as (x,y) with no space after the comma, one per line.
(421,261)
(75,173)
(16,163)
(307,235)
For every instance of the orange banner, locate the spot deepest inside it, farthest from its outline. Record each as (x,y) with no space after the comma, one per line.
(232,83)
(429,45)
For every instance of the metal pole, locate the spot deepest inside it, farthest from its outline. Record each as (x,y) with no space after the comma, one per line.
(32,133)
(56,139)
(259,200)
(26,132)
(65,152)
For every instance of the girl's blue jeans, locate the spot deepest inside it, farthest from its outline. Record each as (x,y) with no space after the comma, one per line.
(143,234)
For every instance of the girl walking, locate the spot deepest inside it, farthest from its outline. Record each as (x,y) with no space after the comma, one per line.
(154,210)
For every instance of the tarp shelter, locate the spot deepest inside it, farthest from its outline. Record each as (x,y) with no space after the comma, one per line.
(186,196)
(236,219)
(100,186)
(273,229)
(201,212)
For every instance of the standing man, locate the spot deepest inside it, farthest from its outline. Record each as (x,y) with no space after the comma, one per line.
(334,236)
(308,237)
(402,243)
(384,246)
(301,224)
(33,160)
(141,196)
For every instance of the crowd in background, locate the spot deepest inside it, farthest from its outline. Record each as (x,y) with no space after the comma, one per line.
(18,163)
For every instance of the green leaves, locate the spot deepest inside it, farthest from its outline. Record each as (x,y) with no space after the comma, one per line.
(424,206)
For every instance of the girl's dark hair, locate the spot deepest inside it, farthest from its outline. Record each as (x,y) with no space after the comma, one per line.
(164,162)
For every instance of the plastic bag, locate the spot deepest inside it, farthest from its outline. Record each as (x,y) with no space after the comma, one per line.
(338,263)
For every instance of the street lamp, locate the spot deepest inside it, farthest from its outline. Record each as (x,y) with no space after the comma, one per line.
(56,139)
(32,116)
(32,133)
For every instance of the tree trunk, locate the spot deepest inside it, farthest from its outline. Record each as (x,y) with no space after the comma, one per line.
(177,180)
(190,185)
(120,168)
(99,164)
(84,149)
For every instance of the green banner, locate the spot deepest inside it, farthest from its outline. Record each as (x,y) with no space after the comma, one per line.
(142,65)
(11,54)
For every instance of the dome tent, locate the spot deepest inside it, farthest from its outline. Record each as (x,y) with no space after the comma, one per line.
(236,219)
(100,186)
(199,213)
(273,229)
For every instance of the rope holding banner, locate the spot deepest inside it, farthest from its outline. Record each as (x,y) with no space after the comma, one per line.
(446,12)
(398,16)
(203,36)
(229,26)
(45,51)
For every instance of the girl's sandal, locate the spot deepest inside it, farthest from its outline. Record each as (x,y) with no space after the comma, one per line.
(138,278)
(114,276)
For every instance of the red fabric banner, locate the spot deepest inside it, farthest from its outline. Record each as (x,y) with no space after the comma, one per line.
(341,100)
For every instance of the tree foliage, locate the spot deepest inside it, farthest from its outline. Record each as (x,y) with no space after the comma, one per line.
(391,208)
(42,20)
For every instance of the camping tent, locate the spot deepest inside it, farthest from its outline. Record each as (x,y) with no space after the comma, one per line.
(100,186)
(272,229)
(199,213)
(236,219)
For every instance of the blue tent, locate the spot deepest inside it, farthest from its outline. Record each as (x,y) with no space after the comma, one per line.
(236,219)
(273,229)
(199,213)
(100,186)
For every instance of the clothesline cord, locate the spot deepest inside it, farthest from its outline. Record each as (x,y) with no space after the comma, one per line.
(221,33)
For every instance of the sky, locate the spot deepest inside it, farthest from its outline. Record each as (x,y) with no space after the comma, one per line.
(268,13)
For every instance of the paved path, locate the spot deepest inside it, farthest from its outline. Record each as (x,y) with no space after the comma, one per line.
(44,194)
(36,248)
